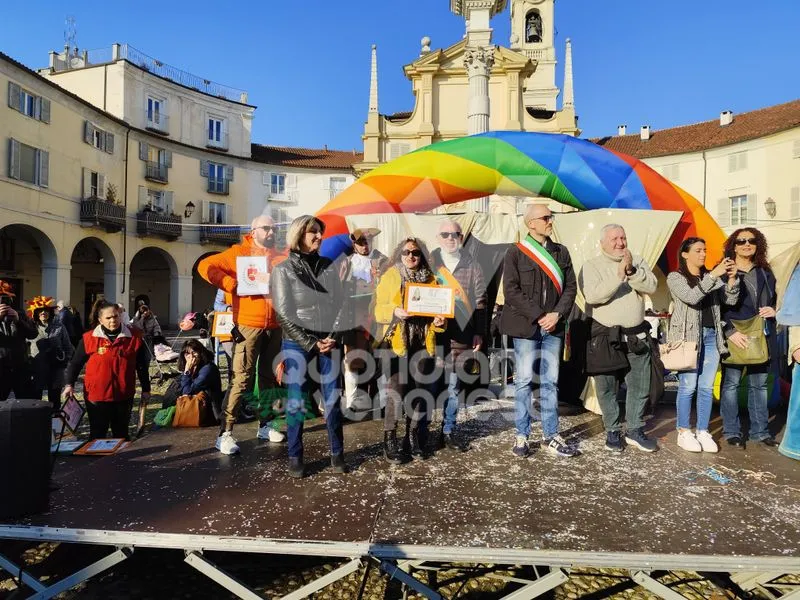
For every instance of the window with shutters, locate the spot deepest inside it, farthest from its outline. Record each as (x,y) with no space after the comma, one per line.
(671,172)
(29,164)
(217,178)
(739,211)
(216,133)
(337,185)
(277,184)
(94,185)
(156,199)
(216,213)
(737,162)
(94,136)
(282,220)
(28,103)
(156,118)
(794,203)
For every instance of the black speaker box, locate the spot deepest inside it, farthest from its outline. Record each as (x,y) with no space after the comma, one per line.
(24,457)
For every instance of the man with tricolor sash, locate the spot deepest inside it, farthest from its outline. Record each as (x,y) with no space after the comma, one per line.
(455,268)
(539,287)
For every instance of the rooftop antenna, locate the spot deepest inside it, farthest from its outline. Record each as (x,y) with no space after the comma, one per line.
(70,33)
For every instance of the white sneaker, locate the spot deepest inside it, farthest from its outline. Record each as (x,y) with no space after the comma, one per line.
(688,442)
(266,432)
(226,443)
(706,441)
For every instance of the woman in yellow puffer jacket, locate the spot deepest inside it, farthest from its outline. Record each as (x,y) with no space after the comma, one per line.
(410,339)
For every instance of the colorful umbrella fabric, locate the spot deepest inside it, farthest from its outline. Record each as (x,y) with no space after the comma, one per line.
(568,170)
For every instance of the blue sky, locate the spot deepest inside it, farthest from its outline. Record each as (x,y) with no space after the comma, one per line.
(306,63)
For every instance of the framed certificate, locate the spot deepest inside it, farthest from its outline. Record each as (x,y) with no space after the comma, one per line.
(222,325)
(430,300)
(247,268)
(72,412)
(101,447)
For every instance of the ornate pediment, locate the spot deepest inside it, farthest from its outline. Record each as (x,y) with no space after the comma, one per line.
(451,60)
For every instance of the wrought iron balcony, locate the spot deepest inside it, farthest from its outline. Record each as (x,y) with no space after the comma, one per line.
(219,186)
(155,171)
(153,223)
(157,122)
(101,213)
(225,235)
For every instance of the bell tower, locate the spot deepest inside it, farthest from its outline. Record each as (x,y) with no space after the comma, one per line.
(533,34)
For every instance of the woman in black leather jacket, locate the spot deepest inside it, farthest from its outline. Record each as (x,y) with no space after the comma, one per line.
(307,297)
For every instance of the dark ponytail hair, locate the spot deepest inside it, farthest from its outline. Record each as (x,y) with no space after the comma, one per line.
(683,269)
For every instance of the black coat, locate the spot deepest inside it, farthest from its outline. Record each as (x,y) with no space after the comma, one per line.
(530,294)
(307,297)
(13,340)
(469,274)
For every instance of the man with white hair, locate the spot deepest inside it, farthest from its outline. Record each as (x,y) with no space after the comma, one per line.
(613,285)
(257,333)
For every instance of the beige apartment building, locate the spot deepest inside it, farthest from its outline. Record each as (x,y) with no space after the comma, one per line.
(118,173)
(744,168)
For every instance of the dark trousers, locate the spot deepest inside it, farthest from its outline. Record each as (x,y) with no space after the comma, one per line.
(47,376)
(405,395)
(103,415)
(15,378)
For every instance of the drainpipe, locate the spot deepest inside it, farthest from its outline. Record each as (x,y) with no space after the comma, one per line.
(125,221)
(705,168)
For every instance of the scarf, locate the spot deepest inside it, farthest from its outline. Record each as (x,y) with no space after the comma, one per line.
(361,267)
(111,335)
(413,329)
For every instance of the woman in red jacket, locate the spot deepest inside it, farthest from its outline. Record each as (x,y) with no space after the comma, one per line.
(113,354)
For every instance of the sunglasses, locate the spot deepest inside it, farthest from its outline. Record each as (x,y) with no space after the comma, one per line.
(266,228)
(450,234)
(414,253)
(743,241)
(546,218)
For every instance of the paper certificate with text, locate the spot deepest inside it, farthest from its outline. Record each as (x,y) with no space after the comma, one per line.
(250,270)
(427,300)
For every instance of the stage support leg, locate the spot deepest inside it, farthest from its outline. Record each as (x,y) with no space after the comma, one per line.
(325,580)
(198,561)
(658,588)
(80,576)
(21,574)
(541,586)
(395,572)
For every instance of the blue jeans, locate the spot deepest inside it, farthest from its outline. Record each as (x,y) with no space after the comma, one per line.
(756,401)
(537,361)
(299,380)
(700,380)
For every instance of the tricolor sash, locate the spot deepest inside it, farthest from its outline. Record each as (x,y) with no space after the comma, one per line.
(539,254)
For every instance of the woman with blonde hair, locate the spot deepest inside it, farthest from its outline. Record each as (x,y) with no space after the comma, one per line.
(407,337)
(307,297)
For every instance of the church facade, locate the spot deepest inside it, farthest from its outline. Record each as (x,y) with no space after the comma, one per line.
(519,87)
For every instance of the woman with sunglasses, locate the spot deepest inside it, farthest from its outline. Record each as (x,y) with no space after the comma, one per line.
(698,296)
(747,247)
(405,337)
(307,296)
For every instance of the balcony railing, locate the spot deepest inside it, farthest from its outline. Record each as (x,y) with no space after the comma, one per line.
(153,223)
(155,171)
(220,144)
(100,213)
(540,54)
(219,186)
(225,235)
(156,121)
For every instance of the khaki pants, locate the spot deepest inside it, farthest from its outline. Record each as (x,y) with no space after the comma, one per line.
(259,345)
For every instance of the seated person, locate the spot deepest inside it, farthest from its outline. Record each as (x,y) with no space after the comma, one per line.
(199,374)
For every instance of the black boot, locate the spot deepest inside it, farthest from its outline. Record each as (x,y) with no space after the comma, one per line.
(296,468)
(337,463)
(452,443)
(416,448)
(391,448)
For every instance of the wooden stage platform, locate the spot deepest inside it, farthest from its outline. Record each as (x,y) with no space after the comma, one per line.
(729,512)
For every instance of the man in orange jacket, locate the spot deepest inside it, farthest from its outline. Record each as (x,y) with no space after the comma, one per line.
(257,335)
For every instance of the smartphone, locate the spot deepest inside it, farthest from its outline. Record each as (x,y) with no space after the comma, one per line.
(5,300)
(237,335)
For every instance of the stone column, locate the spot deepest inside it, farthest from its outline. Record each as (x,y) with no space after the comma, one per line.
(56,281)
(478,62)
(180,297)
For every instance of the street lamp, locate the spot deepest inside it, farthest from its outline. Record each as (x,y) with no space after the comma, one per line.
(189,209)
(769,205)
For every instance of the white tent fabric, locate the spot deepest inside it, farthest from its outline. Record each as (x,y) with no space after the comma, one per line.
(648,233)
